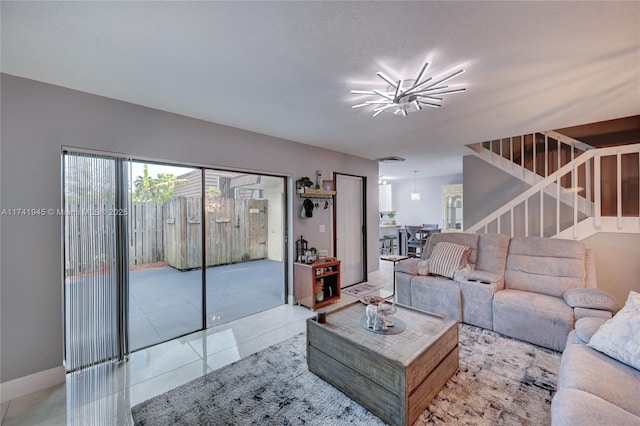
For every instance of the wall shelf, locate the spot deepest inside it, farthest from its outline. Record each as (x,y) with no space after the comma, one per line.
(308,193)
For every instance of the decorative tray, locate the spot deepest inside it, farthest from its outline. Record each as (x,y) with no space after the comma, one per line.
(398,326)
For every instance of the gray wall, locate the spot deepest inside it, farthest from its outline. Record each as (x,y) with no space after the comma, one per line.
(486,188)
(426,210)
(37,119)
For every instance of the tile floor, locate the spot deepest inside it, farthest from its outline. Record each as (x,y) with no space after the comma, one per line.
(104,395)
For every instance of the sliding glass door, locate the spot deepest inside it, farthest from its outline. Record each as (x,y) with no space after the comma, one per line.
(244,222)
(165,252)
(156,251)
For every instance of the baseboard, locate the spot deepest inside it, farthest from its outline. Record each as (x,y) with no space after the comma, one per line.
(32,383)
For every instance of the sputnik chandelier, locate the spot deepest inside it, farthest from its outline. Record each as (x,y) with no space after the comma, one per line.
(404,96)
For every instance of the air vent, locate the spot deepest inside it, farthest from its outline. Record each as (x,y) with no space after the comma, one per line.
(392,159)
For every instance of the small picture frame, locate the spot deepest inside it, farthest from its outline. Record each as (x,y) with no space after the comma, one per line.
(327,185)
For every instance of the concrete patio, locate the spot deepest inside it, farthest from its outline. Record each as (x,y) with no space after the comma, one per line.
(166,303)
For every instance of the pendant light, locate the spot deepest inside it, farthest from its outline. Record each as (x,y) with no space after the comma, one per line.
(415,195)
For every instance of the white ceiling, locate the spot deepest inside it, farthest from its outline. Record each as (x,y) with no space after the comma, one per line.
(286,68)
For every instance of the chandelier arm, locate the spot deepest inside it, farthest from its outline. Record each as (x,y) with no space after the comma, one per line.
(382,102)
(382,108)
(442,92)
(363,92)
(449,77)
(386,78)
(398,90)
(359,106)
(431,104)
(422,71)
(416,85)
(384,95)
(379,111)
(430,89)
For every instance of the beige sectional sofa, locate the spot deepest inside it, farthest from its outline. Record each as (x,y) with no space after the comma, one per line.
(510,284)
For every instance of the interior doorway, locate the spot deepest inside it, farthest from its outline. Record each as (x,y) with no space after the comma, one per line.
(350,223)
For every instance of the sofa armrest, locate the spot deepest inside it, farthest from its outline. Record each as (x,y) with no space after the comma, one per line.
(580,313)
(587,327)
(408,266)
(591,298)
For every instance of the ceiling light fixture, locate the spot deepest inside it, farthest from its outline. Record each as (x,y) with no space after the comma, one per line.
(415,195)
(404,96)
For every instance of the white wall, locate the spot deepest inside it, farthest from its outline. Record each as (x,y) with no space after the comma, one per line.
(426,210)
(38,119)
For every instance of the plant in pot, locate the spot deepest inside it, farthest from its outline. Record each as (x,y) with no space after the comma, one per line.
(302,183)
(391,216)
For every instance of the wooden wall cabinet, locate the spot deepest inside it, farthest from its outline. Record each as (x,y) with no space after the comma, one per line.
(317,284)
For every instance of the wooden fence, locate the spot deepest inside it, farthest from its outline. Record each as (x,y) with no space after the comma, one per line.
(236,231)
(145,233)
(171,232)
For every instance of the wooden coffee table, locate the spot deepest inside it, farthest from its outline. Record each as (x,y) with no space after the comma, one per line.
(394,376)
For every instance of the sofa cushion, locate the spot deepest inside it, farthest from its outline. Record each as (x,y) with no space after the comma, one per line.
(469,240)
(446,258)
(536,318)
(492,253)
(571,407)
(545,265)
(592,298)
(619,337)
(587,327)
(438,295)
(588,370)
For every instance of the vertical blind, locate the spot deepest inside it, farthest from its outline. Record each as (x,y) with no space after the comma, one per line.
(93,278)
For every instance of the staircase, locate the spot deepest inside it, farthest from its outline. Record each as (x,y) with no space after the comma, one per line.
(576,190)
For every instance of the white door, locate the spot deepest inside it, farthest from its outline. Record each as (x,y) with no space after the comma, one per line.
(349,228)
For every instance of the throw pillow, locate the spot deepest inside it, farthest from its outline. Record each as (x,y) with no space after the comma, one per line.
(619,337)
(423,267)
(592,298)
(447,258)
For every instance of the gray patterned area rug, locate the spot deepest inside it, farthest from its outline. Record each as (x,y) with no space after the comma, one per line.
(500,381)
